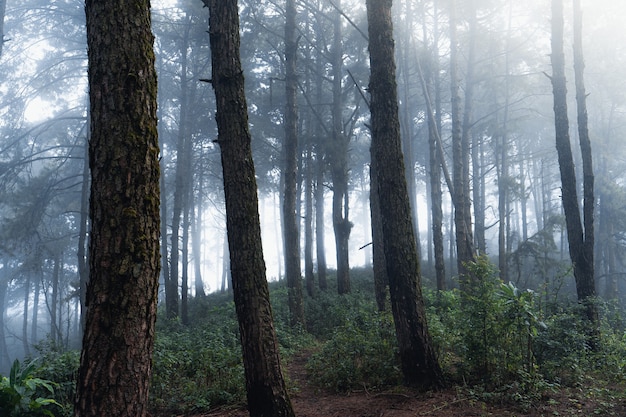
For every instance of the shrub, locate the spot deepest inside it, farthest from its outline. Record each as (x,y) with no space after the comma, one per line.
(19,393)
(198,367)
(497,324)
(361,354)
(60,366)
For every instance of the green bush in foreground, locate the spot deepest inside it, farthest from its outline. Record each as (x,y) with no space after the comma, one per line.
(20,393)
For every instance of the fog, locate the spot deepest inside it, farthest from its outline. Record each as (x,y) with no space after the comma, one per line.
(43,132)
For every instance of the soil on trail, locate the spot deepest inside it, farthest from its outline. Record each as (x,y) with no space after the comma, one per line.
(309,401)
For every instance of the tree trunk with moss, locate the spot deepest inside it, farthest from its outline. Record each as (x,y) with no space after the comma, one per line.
(267,394)
(116,360)
(417,355)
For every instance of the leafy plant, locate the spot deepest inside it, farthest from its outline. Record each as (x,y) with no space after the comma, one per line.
(480,325)
(198,367)
(522,324)
(361,353)
(18,392)
(61,366)
(498,325)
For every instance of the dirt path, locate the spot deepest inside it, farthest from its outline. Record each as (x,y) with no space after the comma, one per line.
(309,401)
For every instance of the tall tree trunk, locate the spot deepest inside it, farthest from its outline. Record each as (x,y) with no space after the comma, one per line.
(267,393)
(25,317)
(33,327)
(407,111)
(309,277)
(435,163)
(502,172)
(502,165)
(431,88)
(419,363)
(466,129)
(478,192)
(116,361)
(320,170)
(309,274)
(226,276)
(320,247)
(587,282)
(83,266)
(5,361)
(196,242)
(381,281)
(463,234)
(577,237)
(523,199)
(184,282)
(55,310)
(290,174)
(338,156)
(165,263)
(276,208)
(181,180)
(606,261)
(3,7)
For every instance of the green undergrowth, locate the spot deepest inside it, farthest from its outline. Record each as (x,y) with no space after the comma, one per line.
(496,343)
(23,393)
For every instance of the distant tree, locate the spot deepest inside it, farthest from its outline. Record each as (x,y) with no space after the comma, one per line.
(115,366)
(3,7)
(266,391)
(182,183)
(337,153)
(309,275)
(589,201)
(460,157)
(417,355)
(291,215)
(431,82)
(5,361)
(579,235)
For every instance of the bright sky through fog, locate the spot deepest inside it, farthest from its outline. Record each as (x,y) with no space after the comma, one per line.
(38,110)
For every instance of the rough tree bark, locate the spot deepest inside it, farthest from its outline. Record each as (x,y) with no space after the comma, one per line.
(116,360)
(381,281)
(81,251)
(419,363)
(266,391)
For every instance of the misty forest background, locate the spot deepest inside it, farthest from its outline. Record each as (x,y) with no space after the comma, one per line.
(520,324)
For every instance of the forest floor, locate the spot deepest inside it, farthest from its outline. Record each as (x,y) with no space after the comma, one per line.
(310,401)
